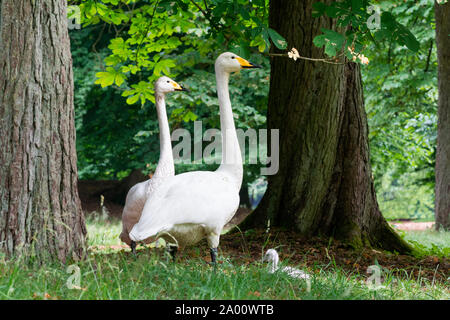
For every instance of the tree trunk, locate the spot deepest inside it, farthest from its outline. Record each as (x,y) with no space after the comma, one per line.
(40,211)
(324,185)
(442,205)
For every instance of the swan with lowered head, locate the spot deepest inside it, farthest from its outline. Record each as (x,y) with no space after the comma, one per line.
(195,205)
(272,257)
(139,193)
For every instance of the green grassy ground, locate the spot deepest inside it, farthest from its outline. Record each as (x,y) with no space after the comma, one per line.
(114,274)
(430,241)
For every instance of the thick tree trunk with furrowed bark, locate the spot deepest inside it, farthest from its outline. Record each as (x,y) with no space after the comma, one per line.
(324,185)
(442,206)
(40,211)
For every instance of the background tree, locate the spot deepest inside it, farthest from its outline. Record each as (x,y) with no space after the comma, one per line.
(40,211)
(325,184)
(443,142)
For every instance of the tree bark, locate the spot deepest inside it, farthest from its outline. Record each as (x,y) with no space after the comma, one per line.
(442,204)
(40,211)
(324,185)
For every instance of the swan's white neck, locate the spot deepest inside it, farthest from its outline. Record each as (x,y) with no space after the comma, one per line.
(165,165)
(274,259)
(231,153)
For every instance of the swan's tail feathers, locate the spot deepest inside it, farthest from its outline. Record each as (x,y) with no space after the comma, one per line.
(143,235)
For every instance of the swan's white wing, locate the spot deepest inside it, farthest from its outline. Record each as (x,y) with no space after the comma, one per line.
(134,204)
(296,273)
(136,197)
(201,197)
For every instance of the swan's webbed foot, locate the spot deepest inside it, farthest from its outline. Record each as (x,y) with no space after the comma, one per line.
(133,247)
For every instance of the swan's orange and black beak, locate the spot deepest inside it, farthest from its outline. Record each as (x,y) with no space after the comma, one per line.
(177,87)
(183,89)
(247,64)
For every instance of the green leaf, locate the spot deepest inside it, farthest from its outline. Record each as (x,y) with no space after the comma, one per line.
(189,116)
(163,66)
(391,29)
(128,93)
(244,13)
(319,41)
(119,47)
(408,39)
(119,79)
(318,9)
(133,99)
(332,40)
(332,11)
(112,60)
(277,39)
(106,79)
(330,50)
(357,6)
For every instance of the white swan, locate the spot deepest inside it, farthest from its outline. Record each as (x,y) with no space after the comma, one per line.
(139,193)
(272,257)
(195,205)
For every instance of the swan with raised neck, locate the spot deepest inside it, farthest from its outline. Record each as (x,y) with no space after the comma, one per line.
(191,206)
(139,193)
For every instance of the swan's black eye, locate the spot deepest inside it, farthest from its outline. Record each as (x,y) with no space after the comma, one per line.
(232,57)
(168,81)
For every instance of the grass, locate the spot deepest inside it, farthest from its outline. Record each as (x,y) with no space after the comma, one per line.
(115,274)
(103,231)
(429,242)
(429,238)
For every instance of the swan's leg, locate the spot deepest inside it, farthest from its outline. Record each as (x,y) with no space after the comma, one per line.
(213,252)
(133,247)
(213,242)
(172,250)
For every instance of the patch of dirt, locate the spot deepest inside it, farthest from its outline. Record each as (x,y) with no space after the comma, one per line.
(316,251)
(410,225)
